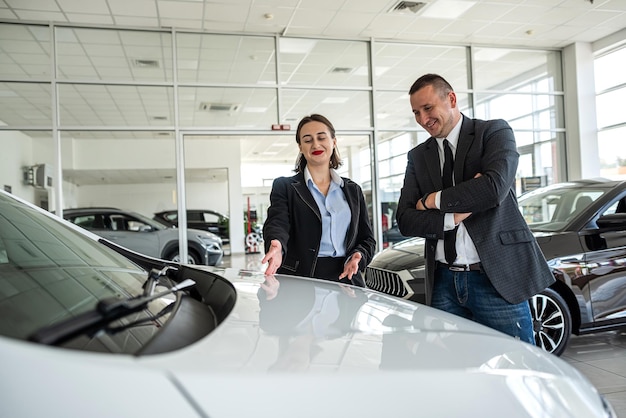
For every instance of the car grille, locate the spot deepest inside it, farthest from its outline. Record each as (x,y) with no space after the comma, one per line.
(390,282)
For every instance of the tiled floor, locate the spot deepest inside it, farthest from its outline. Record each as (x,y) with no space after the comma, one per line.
(601,357)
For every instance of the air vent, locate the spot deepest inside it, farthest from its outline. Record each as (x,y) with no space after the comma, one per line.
(407,7)
(143,63)
(219,107)
(342,70)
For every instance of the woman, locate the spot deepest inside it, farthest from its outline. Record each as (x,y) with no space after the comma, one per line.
(317,223)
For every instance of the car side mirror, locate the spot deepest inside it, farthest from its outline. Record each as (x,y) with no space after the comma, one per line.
(613,221)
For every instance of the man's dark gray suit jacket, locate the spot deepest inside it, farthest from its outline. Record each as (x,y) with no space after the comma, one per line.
(294,219)
(507,249)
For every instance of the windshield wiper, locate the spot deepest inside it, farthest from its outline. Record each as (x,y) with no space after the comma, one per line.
(153,279)
(107,311)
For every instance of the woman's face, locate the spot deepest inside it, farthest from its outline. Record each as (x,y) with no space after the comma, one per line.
(316,143)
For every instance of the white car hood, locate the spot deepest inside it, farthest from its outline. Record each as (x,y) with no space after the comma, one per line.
(390,358)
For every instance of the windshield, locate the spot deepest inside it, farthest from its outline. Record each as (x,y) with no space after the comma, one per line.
(553,208)
(154,224)
(50,272)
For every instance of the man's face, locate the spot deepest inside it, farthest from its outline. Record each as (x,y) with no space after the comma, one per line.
(436,114)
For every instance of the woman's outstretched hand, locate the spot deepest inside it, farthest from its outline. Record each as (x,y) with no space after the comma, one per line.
(273,257)
(351,267)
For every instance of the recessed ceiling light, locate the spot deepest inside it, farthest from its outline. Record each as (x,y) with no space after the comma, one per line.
(447,9)
(335,100)
(252,109)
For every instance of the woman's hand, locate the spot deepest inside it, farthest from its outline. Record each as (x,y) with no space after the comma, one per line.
(352,266)
(270,286)
(274,257)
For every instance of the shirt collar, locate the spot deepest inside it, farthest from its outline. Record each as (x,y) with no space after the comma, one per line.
(453,136)
(334,176)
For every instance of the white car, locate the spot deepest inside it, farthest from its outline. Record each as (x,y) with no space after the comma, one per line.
(88,332)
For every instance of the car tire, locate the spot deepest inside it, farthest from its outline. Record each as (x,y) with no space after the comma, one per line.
(552,321)
(192,257)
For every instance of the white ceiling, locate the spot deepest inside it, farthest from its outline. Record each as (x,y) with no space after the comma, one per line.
(534,23)
(540,24)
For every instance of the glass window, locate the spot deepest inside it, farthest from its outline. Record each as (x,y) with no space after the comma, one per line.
(514,69)
(318,62)
(108,168)
(24,51)
(612,150)
(347,109)
(113,55)
(610,95)
(222,107)
(609,107)
(28,166)
(115,105)
(522,111)
(205,58)
(398,65)
(609,70)
(25,104)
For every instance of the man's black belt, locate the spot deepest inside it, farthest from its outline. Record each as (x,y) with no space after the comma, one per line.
(461,267)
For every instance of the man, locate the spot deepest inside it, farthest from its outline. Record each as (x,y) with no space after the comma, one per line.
(489,263)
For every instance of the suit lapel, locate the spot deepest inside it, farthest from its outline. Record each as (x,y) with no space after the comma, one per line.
(432,163)
(466,138)
(305,194)
(350,190)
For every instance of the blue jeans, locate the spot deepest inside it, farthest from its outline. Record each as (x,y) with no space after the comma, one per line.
(471,295)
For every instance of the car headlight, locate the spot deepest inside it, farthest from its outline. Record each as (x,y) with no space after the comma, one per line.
(418,272)
(212,244)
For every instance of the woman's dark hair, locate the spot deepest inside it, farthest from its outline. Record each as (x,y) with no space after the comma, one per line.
(335,160)
(438,82)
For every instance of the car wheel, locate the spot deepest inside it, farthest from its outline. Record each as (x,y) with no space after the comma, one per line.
(192,257)
(552,321)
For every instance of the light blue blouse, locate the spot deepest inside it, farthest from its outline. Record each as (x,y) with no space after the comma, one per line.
(335,213)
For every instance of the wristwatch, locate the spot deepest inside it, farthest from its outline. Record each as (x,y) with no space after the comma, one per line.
(423,199)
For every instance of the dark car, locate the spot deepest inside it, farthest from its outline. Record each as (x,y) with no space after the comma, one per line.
(203,219)
(146,236)
(581,229)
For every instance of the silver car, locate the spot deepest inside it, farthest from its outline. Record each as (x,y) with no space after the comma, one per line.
(85,331)
(146,236)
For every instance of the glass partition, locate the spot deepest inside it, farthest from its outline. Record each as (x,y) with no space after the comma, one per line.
(398,65)
(223,107)
(516,69)
(26,104)
(320,62)
(347,109)
(24,51)
(115,105)
(113,55)
(232,59)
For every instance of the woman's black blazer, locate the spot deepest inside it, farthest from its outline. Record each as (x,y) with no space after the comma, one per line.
(294,219)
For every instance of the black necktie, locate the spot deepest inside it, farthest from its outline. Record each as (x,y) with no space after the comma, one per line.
(449,237)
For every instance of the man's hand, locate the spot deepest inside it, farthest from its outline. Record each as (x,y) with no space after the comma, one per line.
(274,257)
(351,267)
(460,217)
